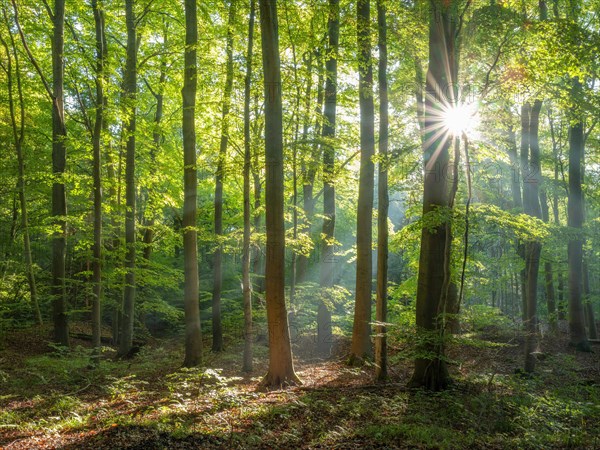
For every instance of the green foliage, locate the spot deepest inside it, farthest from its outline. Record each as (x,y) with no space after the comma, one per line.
(484,318)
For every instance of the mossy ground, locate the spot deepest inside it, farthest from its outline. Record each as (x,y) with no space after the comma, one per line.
(50,399)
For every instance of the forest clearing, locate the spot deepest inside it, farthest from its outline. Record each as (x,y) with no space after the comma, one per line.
(299,224)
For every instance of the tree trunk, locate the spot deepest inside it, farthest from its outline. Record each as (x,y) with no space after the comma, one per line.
(130,99)
(361,331)
(575,221)
(18,129)
(548,271)
(383,202)
(309,170)
(324,331)
(531,205)
(589,307)
(157,137)
(97,176)
(281,365)
(516,175)
(217,329)
(59,199)
(246,286)
(193,335)
(430,367)
(307,185)
(257,257)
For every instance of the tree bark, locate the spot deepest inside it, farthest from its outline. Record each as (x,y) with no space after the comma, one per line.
(246,286)
(575,221)
(430,367)
(18,129)
(532,179)
(589,307)
(548,271)
(361,331)
(97,176)
(157,137)
(217,328)
(59,199)
(281,365)
(383,202)
(324,330)
(130,99)
(193,335)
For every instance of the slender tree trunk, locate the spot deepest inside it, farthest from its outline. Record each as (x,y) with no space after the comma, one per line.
(217,328)
(307,185)
(589,307)
(575,221)
(548,271)
(18,129)
(515,185)
(324,331)
(383,202)
(193,336)
(130,98)
(157,137)
(361,331)
(97,176)
(309,170)
(258,262)
(560,306)
(246,286)
(531,182)
(281,365)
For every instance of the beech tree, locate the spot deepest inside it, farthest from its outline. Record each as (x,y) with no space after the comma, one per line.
(59,160)
(361,331)
(97,175)
(431,370)
(217,329)
(328,262)
(17,121)
(281,365)
(193,337)
(383,201)
(246,286)
(129,99)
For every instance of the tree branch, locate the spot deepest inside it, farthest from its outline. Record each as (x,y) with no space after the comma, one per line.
(37,67)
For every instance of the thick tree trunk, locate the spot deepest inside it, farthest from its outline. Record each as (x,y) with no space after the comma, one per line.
(97,176)
(575,221)
(130,99)
(217,328)
(361,331)
(59,199)
(246,286)
(193,335)
(324,331)
(383,202)
(430,367)
(281,365)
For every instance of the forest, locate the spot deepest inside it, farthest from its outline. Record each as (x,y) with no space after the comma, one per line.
(299,224)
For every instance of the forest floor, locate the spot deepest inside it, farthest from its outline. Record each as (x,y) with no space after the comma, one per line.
(54,400)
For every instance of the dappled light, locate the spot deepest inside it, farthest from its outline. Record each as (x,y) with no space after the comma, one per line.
(332,224)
